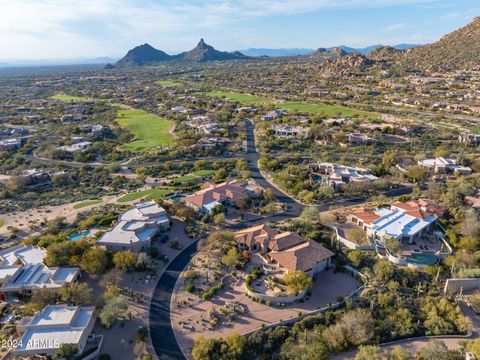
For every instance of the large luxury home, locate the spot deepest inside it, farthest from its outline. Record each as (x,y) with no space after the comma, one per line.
(22,270)
(335,175)
(441,165)
(288,250)
(43,333)
(405,221)
(211,195)
(136,228)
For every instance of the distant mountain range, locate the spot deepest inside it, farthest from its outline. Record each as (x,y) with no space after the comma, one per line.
(146,54)
(307,51)
(276,52)
(459,49)
(55,62)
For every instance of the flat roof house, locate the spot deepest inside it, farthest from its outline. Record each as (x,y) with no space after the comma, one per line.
(335,175)
(136,228)
(288,250)
(211,195)
(22,270)
(469,138)
(45,332)
(288,131)
(443,165)
(403,221)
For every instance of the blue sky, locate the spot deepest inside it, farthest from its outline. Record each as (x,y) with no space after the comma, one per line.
(55,29)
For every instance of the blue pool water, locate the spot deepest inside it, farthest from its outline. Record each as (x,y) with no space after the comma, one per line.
(423,259)
(176,197)
(79,236)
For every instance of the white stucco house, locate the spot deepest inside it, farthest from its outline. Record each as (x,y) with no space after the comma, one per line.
(136,228)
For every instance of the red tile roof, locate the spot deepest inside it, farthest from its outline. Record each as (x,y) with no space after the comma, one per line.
(302,257)
(366,215)
(234,190)
(420,209)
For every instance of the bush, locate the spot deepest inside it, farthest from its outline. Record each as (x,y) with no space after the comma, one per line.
(190,288)
(248,281)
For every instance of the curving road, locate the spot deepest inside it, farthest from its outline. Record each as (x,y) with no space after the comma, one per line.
(163,338)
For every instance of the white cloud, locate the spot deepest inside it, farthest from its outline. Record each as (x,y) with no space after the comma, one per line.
(69,28)
(395,27)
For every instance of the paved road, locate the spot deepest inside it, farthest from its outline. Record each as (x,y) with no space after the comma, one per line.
(163,338)
(293,208)
(161,331)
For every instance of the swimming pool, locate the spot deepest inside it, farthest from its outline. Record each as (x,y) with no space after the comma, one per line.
(422,259)
(79,236)
(176,197)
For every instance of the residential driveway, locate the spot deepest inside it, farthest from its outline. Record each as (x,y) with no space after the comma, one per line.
(326,288)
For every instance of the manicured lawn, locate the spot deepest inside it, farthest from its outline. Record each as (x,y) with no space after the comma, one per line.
(185,178)
(243,98)
(150,131)
(203,172)
(147,194)
(167,83)
(86,203)
(68,98)
(330,110)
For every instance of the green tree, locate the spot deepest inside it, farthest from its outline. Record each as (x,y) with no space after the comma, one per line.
(393,245)
(94,261)
(369,352)
(125,259)
(219,219)
(76,294)
(221,239)
(397,353)
(66,351)
(437,350)
(112,310)
(417,173)
(310,215)
(231,259)
(297,281)
(383,269)
(220,174)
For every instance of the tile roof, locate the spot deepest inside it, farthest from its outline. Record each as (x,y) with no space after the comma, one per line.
(366,215)
(289,249)
(420,209)
(302,257)
(209,193)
